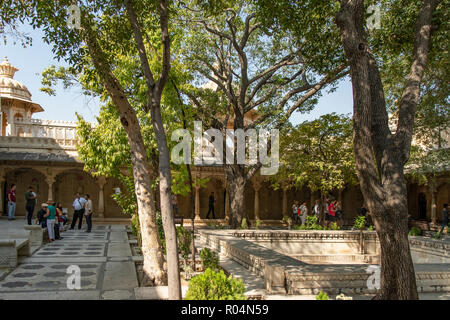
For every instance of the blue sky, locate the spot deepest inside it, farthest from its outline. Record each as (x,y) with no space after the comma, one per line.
(32,60)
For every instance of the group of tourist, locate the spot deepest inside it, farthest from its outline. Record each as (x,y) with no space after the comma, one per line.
(332,210)
(51,214)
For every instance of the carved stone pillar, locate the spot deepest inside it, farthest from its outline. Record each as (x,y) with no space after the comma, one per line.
(101,181)
(197,202)
(257,186)
(50,180)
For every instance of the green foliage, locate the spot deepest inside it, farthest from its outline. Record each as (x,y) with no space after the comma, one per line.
(244,224)
(311,223)
(184,237)
(317,154)
(360,223)
(334,226)
(210,259)
(371,228)
(257,224)
(322,296)
(160,227)
(212,285)
(136,228)
(415,231)
(216,225)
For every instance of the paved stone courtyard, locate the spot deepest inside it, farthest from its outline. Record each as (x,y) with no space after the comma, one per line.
(103,256)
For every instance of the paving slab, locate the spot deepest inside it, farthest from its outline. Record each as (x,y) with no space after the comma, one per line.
(118,295)
(155,293)
(119,250)
(118,236)
(52,295)
(120,275)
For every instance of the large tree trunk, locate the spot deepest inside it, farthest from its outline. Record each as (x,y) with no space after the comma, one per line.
(236,181)
(151,246)
(154,273)
(379,154)
(165,192)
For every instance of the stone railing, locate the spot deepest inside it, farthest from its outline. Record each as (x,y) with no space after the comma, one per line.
(64,132)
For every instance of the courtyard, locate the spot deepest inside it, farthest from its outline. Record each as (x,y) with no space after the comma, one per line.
(273,263)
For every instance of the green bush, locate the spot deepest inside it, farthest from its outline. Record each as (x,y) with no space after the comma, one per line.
(334,226)
(244,224)
(311,223)
(258,224)
(135,228)
(415,231)
(371,228)
(360,223)
(212,285)
(161,235)
(210,259)
(322,296)
(184,238)
(216,225)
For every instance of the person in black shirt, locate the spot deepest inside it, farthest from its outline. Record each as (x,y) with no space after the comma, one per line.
(40,215)
(444,218)
(362,211)
(211,206)
(30,198)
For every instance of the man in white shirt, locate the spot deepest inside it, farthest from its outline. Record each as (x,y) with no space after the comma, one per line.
(78,207)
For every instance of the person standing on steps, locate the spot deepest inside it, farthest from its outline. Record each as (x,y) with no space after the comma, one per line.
(12,202)
(78,207)
(30,198)
(211,206)
(88,213)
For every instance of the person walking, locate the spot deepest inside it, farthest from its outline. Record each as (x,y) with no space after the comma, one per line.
(339,213)
(316,209)
(12,202)
(30,198)
(332,211)
(174,202)
(88,212)
(51,216)
(303,212)
(444,218)
(211,206)
(295,212)
(78,207)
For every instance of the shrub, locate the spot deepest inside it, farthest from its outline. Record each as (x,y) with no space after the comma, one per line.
(360,223)
(258,224)
(212,285)
(415,231)
(244,224)
(216,225)
(210,259)
(371,228)
(135,228)
(322,296)
(334,226)
(184,238)
(161,235)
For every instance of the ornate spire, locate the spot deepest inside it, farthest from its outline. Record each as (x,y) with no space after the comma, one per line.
(6,69)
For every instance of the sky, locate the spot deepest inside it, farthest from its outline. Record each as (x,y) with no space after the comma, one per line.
(31,61)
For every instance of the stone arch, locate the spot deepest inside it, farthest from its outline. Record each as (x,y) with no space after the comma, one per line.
(23,178)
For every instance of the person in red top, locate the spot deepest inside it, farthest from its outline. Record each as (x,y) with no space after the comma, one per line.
(332,211)
(12,202)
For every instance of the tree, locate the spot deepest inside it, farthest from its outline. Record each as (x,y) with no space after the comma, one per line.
(380,154)
(318,154)
(251,70)
(105,28)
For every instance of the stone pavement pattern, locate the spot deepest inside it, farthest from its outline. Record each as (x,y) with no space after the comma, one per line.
(104,257)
